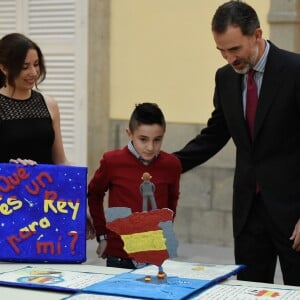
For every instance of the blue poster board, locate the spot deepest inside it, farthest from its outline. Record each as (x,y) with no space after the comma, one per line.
(43,213)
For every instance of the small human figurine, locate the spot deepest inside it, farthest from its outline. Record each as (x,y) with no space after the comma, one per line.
(161,274)
(147,188)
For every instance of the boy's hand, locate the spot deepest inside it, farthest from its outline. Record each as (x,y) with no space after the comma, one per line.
(101,248)
(90,230)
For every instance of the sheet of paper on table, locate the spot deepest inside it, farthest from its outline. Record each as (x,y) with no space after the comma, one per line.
(244,292)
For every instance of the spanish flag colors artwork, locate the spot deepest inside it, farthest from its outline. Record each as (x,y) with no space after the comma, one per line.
(148,236)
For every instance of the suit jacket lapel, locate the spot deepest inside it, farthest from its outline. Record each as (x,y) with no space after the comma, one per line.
(232,92)
(271,82)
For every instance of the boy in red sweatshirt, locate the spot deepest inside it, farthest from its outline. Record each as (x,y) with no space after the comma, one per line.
(120,173)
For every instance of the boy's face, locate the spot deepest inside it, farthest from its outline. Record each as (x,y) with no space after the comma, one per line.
(147,140)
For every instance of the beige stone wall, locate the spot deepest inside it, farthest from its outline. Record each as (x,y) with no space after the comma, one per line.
(163,51)
(98,81)
(284,19)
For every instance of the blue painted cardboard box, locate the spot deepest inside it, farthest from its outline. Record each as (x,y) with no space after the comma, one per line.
(43,213)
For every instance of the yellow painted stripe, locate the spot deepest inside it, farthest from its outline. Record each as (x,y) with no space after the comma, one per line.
(144,241)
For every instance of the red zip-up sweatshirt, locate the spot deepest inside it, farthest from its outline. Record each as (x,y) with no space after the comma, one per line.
(120,174)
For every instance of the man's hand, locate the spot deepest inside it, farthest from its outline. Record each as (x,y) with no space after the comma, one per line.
(296,237)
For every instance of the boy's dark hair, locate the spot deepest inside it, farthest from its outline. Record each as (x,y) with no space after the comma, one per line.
(235,13)
(146,113)
(13,51)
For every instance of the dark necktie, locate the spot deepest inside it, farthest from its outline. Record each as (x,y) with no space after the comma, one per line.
(251,105)
(251,101)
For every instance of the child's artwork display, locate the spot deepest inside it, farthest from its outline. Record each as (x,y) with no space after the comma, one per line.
(43,213)
(51,279)
(148,236)
(141,283)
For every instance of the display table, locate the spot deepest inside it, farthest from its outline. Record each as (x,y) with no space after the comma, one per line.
(17,293)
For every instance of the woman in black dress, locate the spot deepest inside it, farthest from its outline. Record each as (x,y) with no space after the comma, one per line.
(29,121)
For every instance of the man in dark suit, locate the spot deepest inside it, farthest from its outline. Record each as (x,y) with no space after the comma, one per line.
(266,189)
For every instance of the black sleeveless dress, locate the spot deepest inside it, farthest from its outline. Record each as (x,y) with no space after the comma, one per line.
(26,129)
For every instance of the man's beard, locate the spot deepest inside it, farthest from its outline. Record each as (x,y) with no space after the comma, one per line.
(248,63)
(243,70)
